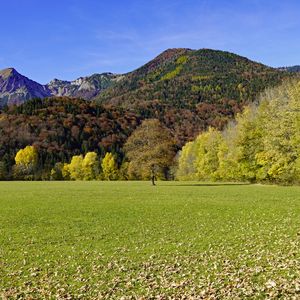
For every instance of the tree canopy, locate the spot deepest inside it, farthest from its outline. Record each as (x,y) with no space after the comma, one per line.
(150,150)
(262,145)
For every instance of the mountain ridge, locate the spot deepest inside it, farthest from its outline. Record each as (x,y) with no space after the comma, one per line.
(293,69)
(83,87)
(16,89)
(190,90)
(172,65)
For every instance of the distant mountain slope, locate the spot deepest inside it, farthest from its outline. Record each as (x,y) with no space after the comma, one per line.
(190,90)
(16,88)
(290,69)
(83,87)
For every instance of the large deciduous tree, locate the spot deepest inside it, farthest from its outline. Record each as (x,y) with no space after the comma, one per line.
(150,150)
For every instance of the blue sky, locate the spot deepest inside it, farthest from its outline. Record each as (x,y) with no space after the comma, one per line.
(70,38)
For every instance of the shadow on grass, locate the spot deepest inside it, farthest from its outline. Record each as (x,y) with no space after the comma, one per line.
(211,184)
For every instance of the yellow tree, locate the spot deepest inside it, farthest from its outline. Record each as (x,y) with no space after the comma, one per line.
(26,160)
(280,112)
(27,156)
(109,167)
(241,143)
(65,171)
(186,162)
(75,168)
(90,166)
(81,168)
(207,148)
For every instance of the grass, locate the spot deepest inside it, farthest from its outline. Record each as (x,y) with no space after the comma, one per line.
(107,240)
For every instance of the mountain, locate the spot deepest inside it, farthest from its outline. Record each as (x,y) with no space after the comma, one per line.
(294,69)
(189,90)
(83,87)
(16,88)
(184,76)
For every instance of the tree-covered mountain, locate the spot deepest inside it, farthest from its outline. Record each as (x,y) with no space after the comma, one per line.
(189,90)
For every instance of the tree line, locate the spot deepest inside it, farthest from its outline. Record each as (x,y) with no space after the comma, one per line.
(261,145)
(70,139)
(150,152)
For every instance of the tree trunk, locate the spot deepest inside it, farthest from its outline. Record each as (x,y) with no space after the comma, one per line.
(152,175)
(153,179)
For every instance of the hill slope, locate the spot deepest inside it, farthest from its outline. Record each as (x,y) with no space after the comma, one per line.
(190,90)
(62,127)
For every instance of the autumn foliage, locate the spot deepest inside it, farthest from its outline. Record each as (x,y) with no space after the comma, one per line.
(262,145)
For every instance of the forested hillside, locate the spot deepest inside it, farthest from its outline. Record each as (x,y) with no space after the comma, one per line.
(190,90)
(60,128)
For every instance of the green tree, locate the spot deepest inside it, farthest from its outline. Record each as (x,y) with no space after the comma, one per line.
(56,172)
(280,113)
(3,171)
(241,143)
(150,150)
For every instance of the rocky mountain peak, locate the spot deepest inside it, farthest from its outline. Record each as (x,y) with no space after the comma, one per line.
(9,72)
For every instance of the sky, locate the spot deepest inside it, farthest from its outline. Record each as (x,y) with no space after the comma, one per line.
(66,39)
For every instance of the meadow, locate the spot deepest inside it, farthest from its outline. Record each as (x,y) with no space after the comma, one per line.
(130,240)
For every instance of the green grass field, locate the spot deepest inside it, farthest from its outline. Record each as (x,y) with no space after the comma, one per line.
(108,240)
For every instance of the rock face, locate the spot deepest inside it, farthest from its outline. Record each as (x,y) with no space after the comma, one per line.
(83,87)
(293,69)
(16,88)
